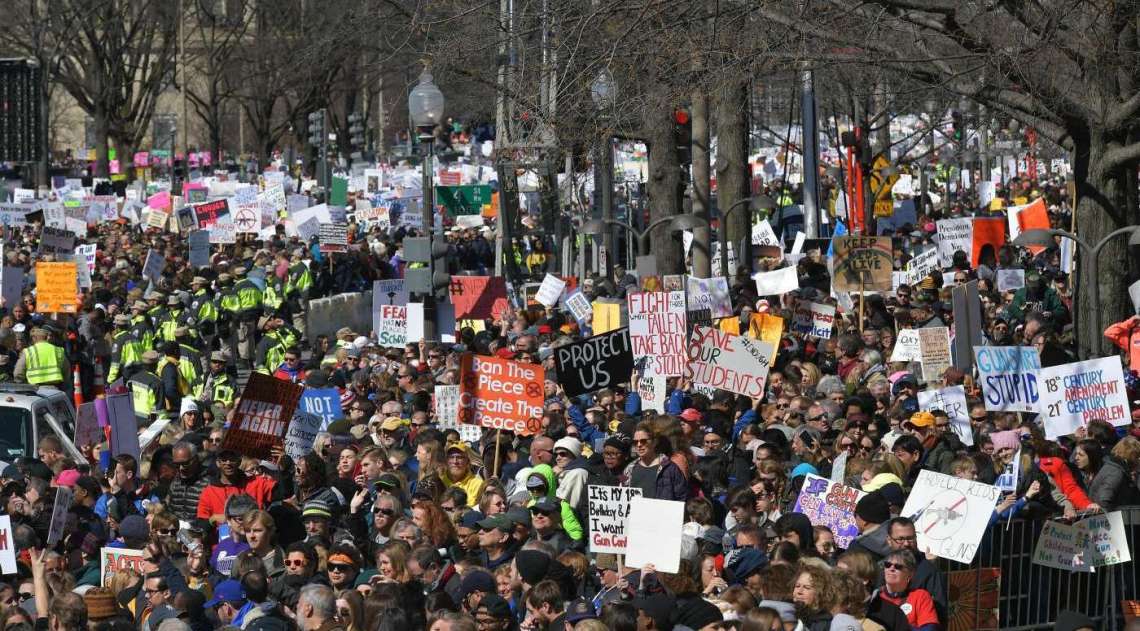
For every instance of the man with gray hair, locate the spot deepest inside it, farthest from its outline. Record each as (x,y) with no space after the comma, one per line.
(316,609)
(187,486)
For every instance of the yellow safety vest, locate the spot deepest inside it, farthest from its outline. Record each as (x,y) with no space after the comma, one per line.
(43,363)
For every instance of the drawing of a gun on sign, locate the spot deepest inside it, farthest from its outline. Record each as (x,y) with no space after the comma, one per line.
(862,264)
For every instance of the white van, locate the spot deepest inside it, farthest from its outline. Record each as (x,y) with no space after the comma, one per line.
(28,413)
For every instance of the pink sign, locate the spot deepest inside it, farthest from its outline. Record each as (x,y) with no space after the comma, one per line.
(159,201)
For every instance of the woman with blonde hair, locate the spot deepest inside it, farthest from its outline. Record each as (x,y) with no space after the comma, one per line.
(261,535)
(350,610)
(809,377)
(433,463)
(392,561)
(1115,482)
(493,502)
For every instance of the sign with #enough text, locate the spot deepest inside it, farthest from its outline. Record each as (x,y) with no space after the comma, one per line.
(735,363)
(1074,394)
(260,419)
(657,331)
(608,512)
(501,394)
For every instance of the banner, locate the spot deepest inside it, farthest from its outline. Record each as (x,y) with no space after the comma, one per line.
(830,504)
(1096,541)
(262,415)
(934,346)
(303,430)
(400,325)
(1008,377)
(711,294)
(324,403)
(595,363)
(501,394)
(954,235)
(56,284)
(478,297)
(952,401)
(950,514)
(1076,393)
(862,264)
(550,290)
(813,319)
(608,512)
(114,559)
(735,363)
(657,331)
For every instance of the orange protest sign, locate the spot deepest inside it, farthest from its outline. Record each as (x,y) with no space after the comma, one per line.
(501,394)
(56,287)
(1029,217)
(988,232)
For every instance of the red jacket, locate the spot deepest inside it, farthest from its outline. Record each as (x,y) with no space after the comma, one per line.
(213,499)
(1063,479)
(1126,335)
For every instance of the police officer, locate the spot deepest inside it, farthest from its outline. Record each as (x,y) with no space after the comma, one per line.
(43,363)
(190,359)
(204,310)
(145,386)
(228,308)
(173,317)
(297,292)
(219,388)
(249,310)
(126,350)
(272,346)
(141,327)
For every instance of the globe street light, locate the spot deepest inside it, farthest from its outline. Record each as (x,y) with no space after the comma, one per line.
(425,108)
(604,92)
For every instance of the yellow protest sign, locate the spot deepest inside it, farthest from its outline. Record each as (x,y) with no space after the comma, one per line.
(476,325)
(881,187)
(607,317)
(729,325)
(767,328)
(56,287)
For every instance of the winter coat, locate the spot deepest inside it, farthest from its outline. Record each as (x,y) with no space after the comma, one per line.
(1114,485)
(570,521)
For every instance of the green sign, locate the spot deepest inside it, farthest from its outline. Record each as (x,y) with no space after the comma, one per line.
(463,200)
(338,196)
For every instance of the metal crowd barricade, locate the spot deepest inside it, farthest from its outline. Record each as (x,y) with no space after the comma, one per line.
(1030,595)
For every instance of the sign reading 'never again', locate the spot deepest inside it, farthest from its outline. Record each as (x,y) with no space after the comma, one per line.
(595,363)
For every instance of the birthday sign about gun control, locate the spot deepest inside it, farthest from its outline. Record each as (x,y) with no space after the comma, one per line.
(608,511)
(736,363)
(500,394)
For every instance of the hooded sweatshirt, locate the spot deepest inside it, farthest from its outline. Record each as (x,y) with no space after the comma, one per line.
(570,521)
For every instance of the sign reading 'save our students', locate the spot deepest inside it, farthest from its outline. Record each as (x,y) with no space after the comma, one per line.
(500,394)
(595,363)
(736,363)
(260,419)
(608,512)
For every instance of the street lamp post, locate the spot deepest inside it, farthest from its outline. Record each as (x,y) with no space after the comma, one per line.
(1041,236)
(595,227)
(758,202)
(603,92)
(425,108)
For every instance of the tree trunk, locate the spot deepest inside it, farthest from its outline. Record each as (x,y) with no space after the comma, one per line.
(1106,202)
(732,176)
(664,185)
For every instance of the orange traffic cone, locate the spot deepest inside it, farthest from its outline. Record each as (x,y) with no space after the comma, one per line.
(77,386)
(100,381)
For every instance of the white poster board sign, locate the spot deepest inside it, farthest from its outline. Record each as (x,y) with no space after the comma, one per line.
(1096,541)
(657,331)
(814,319)
(1010,279)
(654,534)
(906,347)
(7,546)
(954,235)
(711,294)
(550,290)
(1074,394)
(950,514)
(736,363)
(303,430)
(952,401)
(934,347)
(776,283)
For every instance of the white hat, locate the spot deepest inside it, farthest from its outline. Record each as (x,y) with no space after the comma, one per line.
(188,405)
(569,443)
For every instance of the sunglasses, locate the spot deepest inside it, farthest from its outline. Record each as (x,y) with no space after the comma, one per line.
(170,532)
(340,568)
(563,454)
(383,511)
(895,566)
(183,465)
(641,441)
(289,563)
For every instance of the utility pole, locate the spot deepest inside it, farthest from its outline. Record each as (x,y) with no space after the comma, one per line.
(182,83)
(811,158)
(701,250)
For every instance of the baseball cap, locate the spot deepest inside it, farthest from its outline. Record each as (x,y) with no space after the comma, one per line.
(580,609)
(657,606)
(692,415)
(476,582)
(227,591)
(545,505)
(920,420)
(500,521)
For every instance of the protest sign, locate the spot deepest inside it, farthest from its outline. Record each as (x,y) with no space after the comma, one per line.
(1134,293)
(57,243)
(776,283)
(113,560)
(862,264)
(987,236)
(333,237)
(1096,541)
(501,394)
(550,290)
(400,325)
(762,234)
(1007,479)
(1008,377)
(934,348)
(954,235)
(653,391)
(920,267)
(303,430)
(63,497)
(1010,279)
(653,533)
(223,233)
(1028,217)
(607,317)
(87,430)
(7,546)
(735,363)
(154,265)
(950,514)
(199,242)
(478,297)
(56,287)
(211,213)
(118,412)
(711,294)
(831,504)
(147,436)
(578,305)
(608,511)
(1073,394)
(657,330)
(814,319)
(265,409)
(324,403)
(952,401)
(389,292)
(11,284)
(594,363)
(447,414)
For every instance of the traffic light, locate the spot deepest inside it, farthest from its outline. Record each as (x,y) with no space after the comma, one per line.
(683,135)
(431,274)
(958,124)
(317,128)
(440,276)
(356,135)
